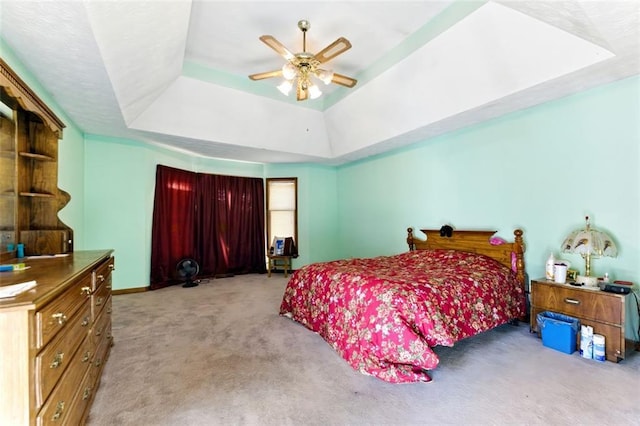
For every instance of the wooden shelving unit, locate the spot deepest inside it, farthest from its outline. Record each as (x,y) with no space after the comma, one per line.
(29,195)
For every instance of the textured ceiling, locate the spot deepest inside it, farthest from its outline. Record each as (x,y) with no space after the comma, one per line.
(174,73)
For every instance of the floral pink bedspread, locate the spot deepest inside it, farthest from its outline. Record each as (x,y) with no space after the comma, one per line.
(383,314)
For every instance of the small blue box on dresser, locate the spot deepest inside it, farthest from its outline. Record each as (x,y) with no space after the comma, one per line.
(558,331)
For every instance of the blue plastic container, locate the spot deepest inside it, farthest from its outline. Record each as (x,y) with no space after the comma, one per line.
(558,331)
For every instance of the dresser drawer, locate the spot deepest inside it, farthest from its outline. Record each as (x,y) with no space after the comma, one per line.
(102,274)
(99,300)
(60,403)
(81,401)
(54,359)
(101,356)
(53,317)
(587,304)
(100,330)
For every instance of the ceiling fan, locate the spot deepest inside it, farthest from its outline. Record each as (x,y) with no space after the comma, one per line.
(301,67)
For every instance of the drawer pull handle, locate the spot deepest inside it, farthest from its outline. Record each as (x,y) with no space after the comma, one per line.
(112,266)
(98,333)
(86,356)
(60,317)
(86,394)
(85,322)
(101,278)
(59,409)
(109,310)
(99,301)
(571,301)
(57,360)
(85,291)
(98,362)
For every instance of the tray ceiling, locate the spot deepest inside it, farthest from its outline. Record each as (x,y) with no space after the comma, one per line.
(174,73)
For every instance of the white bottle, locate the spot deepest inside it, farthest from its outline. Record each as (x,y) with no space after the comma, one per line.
(599,353)
(549,267)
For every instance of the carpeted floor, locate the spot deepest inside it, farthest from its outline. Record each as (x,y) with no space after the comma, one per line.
(219,354)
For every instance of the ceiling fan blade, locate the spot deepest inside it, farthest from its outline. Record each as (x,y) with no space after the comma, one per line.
(343,80)
(302,94)
(277,46)
(263,75)
(334,49)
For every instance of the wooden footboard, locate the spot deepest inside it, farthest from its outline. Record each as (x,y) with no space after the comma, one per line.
(475,242)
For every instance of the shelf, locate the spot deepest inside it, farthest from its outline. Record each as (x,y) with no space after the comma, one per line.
(39,157)
(36,194)
(29,195)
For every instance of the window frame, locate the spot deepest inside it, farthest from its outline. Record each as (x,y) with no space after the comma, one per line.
(270,235)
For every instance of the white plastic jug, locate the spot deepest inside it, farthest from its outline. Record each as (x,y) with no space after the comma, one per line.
(586,341)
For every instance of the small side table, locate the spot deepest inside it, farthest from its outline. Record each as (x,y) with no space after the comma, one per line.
(605,312)
(275,260)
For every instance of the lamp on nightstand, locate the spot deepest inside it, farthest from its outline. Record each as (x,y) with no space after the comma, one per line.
(588,243)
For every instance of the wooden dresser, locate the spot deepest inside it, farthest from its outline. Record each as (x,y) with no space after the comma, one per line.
(55,338)
(605,312)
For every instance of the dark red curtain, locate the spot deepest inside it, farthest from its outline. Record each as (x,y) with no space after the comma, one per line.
(232,227)
(174,218)
(216,220)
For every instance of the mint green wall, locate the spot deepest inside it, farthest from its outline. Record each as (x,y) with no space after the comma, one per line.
(542,170)
(120,182)
(70,151)
(317,210)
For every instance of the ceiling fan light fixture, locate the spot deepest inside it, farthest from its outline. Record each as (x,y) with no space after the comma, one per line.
(314,91)
(289,71)
(324,75)
(301,66)
(285,87)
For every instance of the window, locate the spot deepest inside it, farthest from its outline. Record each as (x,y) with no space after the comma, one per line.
(282,209)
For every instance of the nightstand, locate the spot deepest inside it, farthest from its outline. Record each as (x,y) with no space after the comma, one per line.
(603,311)
(275,259)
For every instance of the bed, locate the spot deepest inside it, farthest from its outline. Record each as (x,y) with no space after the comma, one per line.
(384,315)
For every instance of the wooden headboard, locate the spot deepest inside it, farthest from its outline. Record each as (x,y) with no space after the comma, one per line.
(475,242)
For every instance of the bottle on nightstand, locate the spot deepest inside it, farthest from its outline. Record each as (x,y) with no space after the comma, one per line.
(549,267)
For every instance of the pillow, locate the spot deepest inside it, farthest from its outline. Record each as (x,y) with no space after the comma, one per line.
(496,241)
